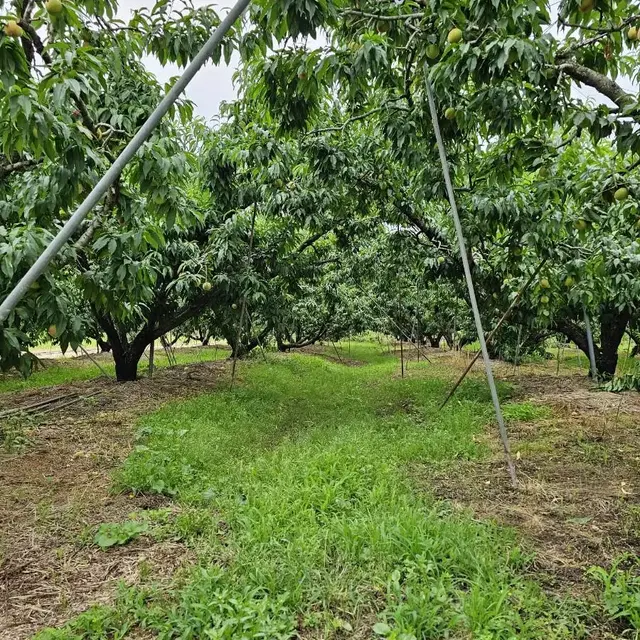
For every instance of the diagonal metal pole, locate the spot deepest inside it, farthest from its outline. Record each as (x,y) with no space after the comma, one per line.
(120,162)
(86,353)
(467,273)
(489,338)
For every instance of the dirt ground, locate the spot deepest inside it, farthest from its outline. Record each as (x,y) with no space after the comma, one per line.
(578,501)
(58,488)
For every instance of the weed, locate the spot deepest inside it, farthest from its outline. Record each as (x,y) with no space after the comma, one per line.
(593,451)
(621,590)
(119,533)
(15,432)
(631,522)
(525,411)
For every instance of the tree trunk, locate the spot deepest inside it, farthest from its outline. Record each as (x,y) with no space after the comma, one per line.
(612,329)
(126,365)
(126,355)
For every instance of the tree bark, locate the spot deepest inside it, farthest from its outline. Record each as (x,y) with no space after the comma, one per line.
(598,81)
(612,328)
(105,347)
(126,355)
(126,366)
(299,344)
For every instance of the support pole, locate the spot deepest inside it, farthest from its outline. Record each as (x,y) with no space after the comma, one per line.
(489,338)
(86,353)
(152,350)
(592,351)
(467,273)
(40,265)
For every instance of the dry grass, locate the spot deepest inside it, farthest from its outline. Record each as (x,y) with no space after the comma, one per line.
(579,474)
(59,488)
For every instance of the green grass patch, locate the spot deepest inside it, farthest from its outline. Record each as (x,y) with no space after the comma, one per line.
(305,463)
(525,411)
(66,370)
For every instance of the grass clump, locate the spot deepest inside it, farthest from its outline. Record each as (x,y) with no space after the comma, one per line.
(620,595)
(325,536)
(525,411)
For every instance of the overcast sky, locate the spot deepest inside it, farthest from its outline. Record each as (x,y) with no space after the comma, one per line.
(213,84)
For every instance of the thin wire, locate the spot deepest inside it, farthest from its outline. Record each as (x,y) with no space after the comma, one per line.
(469,279)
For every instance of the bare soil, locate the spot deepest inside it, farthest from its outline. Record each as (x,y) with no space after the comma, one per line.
(55,492)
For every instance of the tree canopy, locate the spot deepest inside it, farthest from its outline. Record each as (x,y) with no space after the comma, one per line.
(316,207)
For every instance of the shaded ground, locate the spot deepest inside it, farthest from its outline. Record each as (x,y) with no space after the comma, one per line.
(333,354)
(55,492)
(579,471)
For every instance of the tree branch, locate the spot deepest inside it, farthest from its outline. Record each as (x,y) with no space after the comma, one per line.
(598,81)
(601,30)
(22,165)
(36,40)
(376,16)
(362,116)
(311,241)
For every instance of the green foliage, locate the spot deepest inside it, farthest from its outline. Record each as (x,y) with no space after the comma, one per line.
(626,382)
(15,431)
(119,533)
(621,590)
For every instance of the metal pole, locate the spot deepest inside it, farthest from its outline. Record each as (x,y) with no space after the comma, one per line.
(592,351)
(86,353)
(152,350)
(467,273)
(120,162)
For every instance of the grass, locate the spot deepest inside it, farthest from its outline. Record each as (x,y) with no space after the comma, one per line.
(314,528)
(66,370)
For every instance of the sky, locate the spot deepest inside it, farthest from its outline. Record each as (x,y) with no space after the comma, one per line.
(214,84)
(211,86)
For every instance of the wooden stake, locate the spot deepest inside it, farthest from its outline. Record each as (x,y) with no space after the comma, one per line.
(336,350)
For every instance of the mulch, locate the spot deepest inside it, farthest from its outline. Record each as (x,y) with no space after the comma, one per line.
(578,501)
